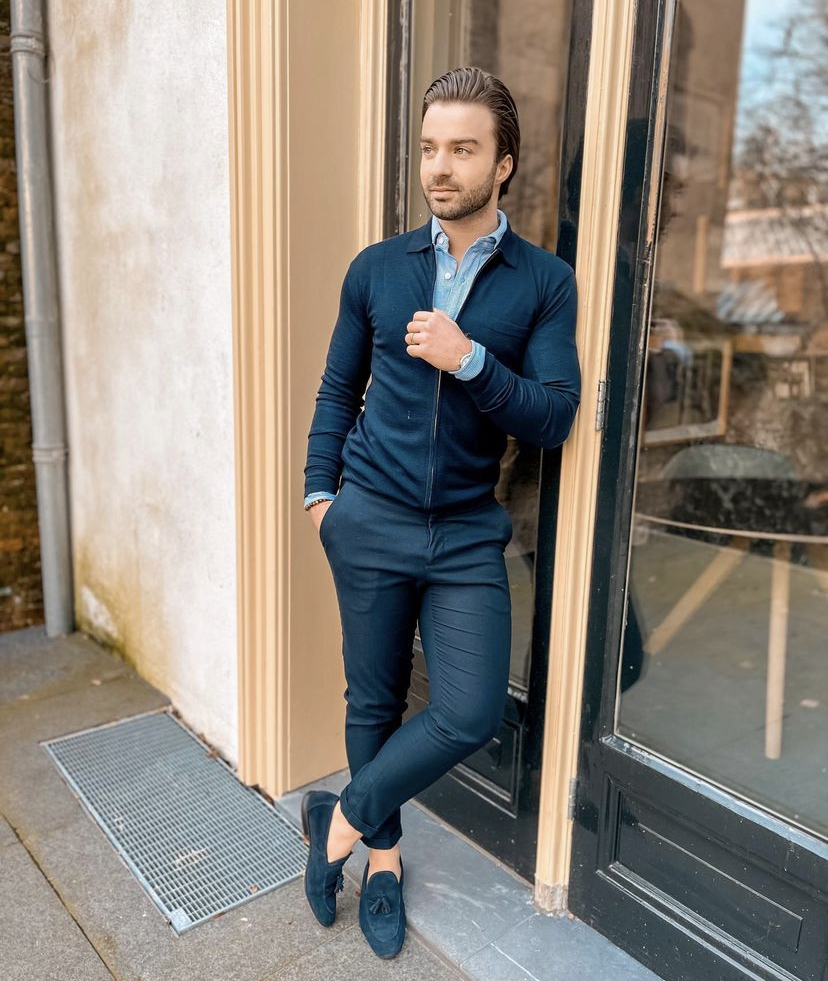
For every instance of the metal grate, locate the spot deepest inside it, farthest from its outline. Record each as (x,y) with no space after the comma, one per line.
(198,840)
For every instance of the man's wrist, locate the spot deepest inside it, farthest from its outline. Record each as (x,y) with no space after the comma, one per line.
(315,496)
(473,365)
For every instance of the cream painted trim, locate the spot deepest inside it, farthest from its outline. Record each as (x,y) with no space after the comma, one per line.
(257,55)
(373,34)
(604,139)
(267,356)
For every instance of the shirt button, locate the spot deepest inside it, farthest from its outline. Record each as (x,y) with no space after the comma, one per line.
(447,275)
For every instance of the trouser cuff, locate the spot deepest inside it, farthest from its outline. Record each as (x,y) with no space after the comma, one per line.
(369,831)
(386,842)
(353,819)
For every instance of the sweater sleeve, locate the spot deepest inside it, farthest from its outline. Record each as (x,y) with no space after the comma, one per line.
(341,395)
(537,405)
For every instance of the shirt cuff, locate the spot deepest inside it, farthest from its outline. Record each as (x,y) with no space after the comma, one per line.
(318,496)
(475,363)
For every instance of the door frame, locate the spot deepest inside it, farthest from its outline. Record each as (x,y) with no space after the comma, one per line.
(289,672)
(706,834)
(602,41)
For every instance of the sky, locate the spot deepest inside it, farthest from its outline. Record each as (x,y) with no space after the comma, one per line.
(762,28)
(764,22)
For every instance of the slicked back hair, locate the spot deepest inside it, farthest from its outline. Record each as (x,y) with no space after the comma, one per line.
(471,84)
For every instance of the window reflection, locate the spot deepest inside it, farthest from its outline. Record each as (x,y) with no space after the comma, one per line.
(725,663)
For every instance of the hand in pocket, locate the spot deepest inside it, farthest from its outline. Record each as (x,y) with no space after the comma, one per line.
(318,511)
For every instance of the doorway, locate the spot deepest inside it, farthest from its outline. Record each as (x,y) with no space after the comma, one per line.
(492,796)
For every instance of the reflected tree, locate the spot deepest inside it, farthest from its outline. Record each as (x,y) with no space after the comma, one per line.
(782,145)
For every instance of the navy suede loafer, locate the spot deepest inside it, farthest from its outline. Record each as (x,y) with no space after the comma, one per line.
(382,911)
(323,879)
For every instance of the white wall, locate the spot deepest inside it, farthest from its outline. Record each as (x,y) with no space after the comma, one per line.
(140,143)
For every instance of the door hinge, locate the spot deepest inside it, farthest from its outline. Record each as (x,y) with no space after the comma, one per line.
(601,410)
(573,799)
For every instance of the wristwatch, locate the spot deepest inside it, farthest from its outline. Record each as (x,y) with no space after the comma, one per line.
(464,360)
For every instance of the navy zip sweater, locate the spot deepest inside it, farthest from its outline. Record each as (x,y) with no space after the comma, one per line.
(418,434)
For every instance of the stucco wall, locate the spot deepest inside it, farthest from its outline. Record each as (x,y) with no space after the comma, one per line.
(140,143)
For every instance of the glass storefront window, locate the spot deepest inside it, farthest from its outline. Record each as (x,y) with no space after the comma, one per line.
(725,658)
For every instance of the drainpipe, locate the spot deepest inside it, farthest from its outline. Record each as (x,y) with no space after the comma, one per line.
(40,305)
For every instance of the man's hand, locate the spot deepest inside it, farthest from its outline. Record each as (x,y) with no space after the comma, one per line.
(318,511)
(433,336)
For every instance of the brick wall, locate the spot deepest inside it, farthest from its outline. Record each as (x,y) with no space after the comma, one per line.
(21,597)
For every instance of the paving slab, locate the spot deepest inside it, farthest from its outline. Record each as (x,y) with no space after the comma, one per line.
(7,835)
(33,665)
(461,898)
(80,707)
(33,795)
(39,940)
(246,943)
(348,956)
(553,948)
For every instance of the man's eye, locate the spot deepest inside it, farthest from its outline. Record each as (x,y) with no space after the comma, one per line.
(462,149)
(426,149)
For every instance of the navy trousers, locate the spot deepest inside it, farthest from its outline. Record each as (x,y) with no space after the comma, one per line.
(395,566)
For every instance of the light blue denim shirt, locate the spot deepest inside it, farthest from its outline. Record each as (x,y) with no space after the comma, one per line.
(452,285)
(450,291)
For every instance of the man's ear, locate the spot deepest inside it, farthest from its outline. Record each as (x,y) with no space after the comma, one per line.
(504,168)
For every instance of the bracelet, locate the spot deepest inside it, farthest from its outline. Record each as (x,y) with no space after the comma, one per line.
(319,500)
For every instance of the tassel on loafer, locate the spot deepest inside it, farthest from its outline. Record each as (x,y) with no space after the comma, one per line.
(323,879)
(382,911)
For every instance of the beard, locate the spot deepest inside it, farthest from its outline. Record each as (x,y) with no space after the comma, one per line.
(466,202)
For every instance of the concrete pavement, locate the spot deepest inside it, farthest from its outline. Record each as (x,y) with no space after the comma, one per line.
(71,910)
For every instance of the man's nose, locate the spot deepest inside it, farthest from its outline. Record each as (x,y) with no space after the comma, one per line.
(441,164)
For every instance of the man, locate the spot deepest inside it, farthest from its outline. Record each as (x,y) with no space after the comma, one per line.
(467,334)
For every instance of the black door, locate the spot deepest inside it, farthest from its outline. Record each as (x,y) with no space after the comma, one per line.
(493,795)
(702,803)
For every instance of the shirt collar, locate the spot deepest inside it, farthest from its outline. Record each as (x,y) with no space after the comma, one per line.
(440,239)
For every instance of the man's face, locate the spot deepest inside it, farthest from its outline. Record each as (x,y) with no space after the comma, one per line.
(459,171)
